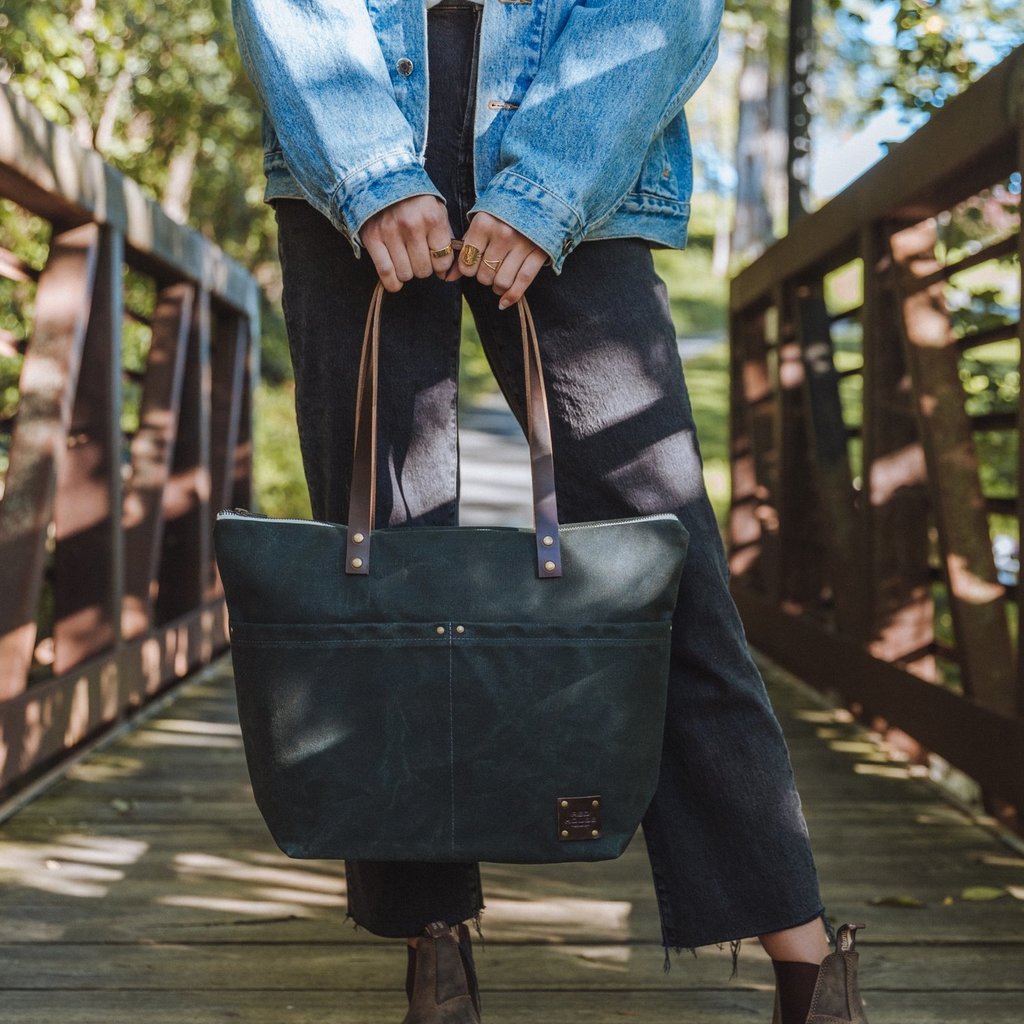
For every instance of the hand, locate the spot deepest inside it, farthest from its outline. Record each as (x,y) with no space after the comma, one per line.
(496,240)
(399,239)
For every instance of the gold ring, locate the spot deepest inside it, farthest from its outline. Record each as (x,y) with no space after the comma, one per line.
(494,264)
(446,251)
(470,254)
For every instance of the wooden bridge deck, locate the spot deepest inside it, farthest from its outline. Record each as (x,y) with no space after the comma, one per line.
(144,887)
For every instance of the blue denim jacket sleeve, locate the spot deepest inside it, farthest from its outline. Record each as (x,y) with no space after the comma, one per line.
(618,72)
(318,68)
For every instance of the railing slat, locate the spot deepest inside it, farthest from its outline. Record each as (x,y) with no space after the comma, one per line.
(48,379)
(152,452)
(828,441)
(186,566)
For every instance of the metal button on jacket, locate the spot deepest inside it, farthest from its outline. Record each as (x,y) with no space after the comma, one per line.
(404,66)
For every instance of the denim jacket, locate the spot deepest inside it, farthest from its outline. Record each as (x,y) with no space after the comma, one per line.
(579,132)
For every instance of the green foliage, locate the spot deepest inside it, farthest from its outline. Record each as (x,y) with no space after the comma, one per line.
(938,48)
(159,91)
(280,484)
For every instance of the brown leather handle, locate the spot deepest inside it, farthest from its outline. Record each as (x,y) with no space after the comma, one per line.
(364,459)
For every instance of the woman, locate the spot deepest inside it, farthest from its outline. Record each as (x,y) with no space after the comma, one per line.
(557,152)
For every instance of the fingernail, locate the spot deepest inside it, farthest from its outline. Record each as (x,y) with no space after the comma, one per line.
(504,304)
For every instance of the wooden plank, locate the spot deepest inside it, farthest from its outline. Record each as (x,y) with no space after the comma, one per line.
(45,170)
(723,1005)
(966,146)
(87,512)
(976,598)
(827,436)
(49,377)
(152,453)
(55,715)
(186,562)
(985,744)
(894,512)
(377,965)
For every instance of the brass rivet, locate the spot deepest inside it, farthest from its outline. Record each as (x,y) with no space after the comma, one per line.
(565,803)
(548,541)
(565,834)
(595,833)
(357,538)
(440,631)
(460,629)
(596,803)
(357,563)
(550,566)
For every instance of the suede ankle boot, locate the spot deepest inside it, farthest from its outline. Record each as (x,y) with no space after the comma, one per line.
(836,998)
(443,986)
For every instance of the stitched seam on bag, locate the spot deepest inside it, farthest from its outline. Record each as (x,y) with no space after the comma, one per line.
(451,729)
(554,641)
(289,642)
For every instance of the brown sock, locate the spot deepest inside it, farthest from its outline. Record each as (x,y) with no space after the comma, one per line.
(795,984)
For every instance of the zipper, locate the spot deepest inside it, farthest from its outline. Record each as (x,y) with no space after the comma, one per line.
(658,517)
(244,513)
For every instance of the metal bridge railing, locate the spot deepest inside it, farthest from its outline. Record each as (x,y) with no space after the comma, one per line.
(130,430)
(875,411)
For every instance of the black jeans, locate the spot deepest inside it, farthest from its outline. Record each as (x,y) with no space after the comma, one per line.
(725,834)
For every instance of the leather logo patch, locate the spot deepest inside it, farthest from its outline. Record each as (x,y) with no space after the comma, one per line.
(579,817)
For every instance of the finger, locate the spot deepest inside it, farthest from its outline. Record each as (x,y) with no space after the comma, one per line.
(418,253)
(399,256)
(511,266)
(484,231)
(440,237)
(454,271)
(529,270)
(378,252)
(487,274)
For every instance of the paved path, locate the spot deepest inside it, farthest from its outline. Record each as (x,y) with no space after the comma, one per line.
(145,888)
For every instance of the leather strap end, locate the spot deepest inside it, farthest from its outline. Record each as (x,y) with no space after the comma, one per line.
(357,557)
(549,557)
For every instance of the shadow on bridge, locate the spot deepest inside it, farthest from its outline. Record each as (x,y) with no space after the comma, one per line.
(145,886)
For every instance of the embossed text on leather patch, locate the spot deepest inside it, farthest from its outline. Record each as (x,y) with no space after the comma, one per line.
(579,817)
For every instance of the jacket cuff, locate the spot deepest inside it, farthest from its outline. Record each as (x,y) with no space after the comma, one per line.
(547,220)
(369,190)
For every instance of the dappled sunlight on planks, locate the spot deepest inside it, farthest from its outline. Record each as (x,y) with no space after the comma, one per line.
(254,908)
(211,866)
(76,865)
(551,917)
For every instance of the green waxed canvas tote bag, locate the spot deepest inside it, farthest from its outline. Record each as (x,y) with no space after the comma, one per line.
(451,693)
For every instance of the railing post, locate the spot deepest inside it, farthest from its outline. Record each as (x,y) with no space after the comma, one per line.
(757,402)
(979,619)
(89,555)
(795,498)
